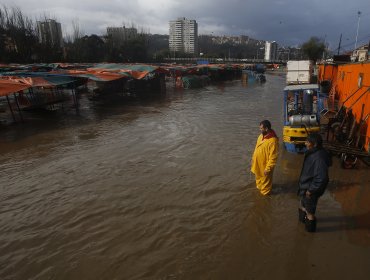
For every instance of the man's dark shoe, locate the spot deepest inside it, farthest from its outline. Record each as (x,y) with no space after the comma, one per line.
(310,225)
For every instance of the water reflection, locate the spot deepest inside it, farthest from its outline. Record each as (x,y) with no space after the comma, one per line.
(354,199)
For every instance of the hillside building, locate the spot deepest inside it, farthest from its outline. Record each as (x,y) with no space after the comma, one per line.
(183,36)
(271,49)
(50,32)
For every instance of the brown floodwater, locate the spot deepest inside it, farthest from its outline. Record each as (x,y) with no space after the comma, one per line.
(160,189)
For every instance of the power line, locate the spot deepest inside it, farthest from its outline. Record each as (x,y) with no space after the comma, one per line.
(367,37)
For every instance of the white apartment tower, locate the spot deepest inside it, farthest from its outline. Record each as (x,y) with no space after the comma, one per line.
(183,36)
(271,51)
(50,32)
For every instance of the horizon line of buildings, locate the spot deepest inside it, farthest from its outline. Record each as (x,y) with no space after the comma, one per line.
(183,38)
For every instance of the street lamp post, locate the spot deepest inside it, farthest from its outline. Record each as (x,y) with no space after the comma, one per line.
(358,26)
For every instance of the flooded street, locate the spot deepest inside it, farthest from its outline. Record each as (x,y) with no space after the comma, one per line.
(161,189)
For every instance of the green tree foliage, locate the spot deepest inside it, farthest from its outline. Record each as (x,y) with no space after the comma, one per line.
(18,36)
(132,50)
(86,49)
(135,50)
(19,40)
(47,53)
(157,47)
(313,48)
(19,43)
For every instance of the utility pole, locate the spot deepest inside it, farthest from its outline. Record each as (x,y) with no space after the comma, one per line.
(358,26)
(323,53)
(340,42)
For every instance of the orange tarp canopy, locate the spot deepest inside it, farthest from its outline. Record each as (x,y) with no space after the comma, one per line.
(9,86)
(94,75)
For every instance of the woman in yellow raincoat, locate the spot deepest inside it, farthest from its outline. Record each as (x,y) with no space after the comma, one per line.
(264,157)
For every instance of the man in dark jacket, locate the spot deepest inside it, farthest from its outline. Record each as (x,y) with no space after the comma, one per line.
(313,180)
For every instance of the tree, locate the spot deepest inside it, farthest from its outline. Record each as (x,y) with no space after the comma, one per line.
(157,46)
(313,48)
(74,44)
(17,34)
(91,48)
(135,50)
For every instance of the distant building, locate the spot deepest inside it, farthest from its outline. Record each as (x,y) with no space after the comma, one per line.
(234,40)
(360,53)
(50,32)
(271,51)
(119,35)
(183,36)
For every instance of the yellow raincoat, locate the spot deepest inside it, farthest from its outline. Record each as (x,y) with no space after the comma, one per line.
(264,159)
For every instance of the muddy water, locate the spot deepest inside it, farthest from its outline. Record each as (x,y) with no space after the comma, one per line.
(159,189)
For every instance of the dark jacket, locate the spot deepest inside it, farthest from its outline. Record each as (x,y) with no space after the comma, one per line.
(314,175)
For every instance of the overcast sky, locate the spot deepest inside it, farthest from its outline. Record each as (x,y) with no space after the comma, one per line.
(289,22)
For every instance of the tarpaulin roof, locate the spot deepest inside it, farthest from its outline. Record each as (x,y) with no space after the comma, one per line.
(72,65)
(10,67)
(136,71)
(43,79)
(103,72)
(101,76)
(224,66)
(181,69)
(10,84)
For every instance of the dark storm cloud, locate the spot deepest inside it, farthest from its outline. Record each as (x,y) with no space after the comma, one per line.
(289,22)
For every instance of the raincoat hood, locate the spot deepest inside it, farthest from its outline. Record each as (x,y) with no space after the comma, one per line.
(270,134)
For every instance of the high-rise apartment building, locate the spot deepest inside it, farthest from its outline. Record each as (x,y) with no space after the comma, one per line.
(271,51)
(50,32)
(183,36)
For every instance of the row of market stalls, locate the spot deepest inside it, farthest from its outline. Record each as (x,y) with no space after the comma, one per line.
(51,86)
